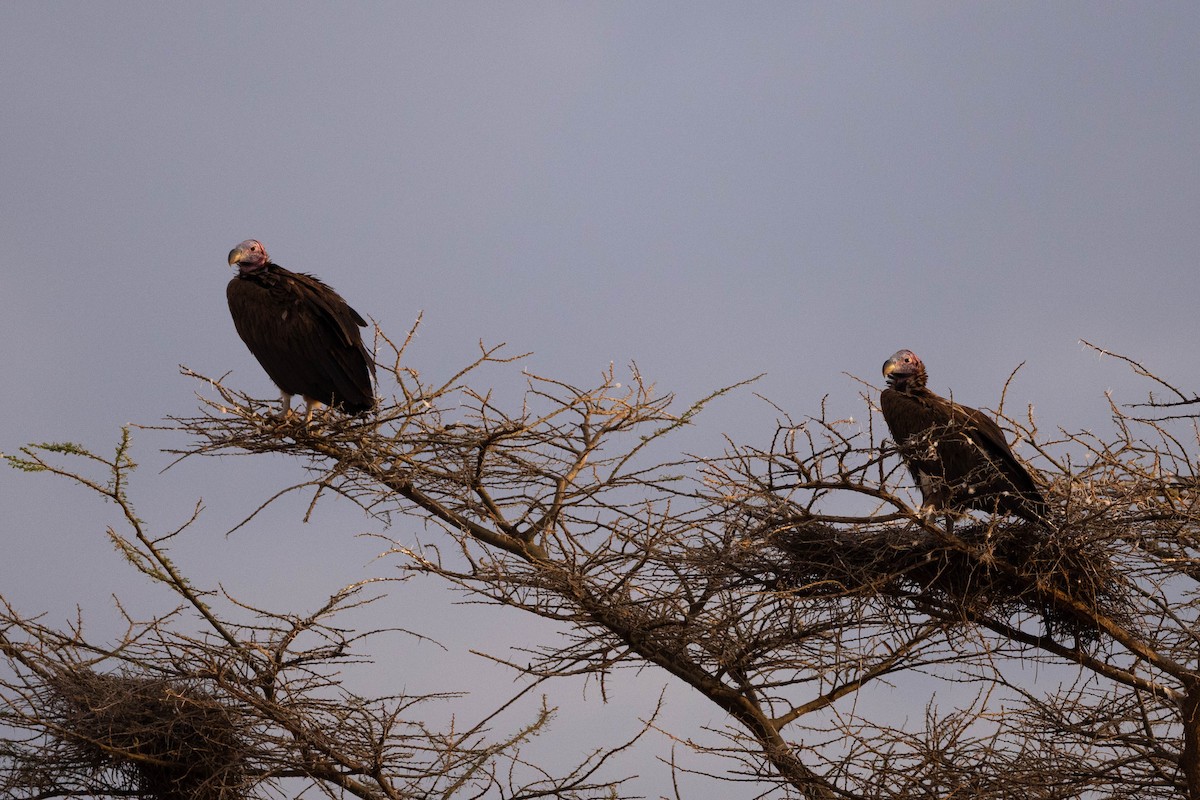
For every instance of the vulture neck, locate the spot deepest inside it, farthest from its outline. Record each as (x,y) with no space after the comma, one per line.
(912,384)
(254,269)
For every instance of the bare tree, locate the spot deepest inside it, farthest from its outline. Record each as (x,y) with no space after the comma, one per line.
(193,705)
(793,584)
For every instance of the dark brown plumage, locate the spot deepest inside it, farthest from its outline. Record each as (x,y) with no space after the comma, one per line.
(957,455)
(301,331)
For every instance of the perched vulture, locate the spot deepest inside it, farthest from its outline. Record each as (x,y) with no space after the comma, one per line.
(957,455)
(302,332)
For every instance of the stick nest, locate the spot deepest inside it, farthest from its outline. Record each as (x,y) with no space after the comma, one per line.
(150,737)
(993,570)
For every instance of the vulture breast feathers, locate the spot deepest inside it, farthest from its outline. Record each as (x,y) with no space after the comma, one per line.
(301,331)
(957,455)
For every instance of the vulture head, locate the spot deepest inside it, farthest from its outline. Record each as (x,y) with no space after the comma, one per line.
(904,370)
(248,256)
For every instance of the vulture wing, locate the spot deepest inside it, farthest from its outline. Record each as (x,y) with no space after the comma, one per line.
(959,456)
(1010,485)
(304,335)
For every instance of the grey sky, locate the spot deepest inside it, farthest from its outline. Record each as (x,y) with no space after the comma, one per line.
(712,191)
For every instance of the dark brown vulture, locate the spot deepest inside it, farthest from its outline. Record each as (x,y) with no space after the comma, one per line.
(302,332)
(957,455)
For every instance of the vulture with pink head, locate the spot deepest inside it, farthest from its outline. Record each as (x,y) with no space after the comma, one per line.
(301,331)
(957,455)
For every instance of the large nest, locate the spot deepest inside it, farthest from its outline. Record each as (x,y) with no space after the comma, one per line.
(148,737)
(993,570)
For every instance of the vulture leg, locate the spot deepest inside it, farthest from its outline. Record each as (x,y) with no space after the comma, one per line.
(929,515)
(934,499)
(285,410)
(310,405)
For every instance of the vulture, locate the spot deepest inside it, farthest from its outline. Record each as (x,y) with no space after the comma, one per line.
(301,331)
(957,455)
